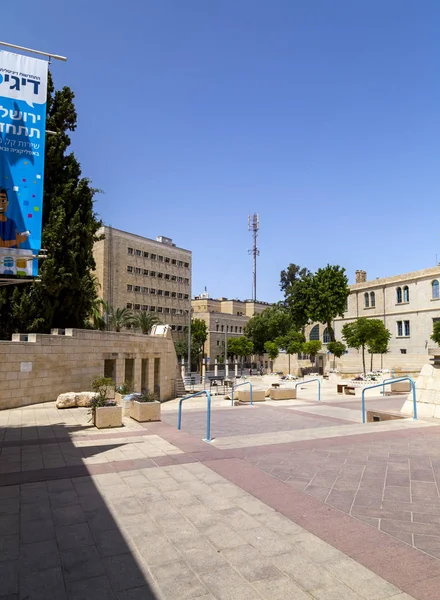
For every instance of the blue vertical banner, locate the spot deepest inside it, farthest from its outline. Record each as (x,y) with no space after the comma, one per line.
(23,95)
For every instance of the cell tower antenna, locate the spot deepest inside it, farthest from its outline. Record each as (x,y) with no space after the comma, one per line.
(254,226)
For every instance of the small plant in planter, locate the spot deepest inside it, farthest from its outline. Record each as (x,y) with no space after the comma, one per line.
(123,390)
(145,407)
(104,411)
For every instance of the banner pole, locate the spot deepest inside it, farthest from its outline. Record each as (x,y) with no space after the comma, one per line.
(54,56)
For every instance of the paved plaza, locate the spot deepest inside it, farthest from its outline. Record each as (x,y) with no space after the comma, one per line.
(291,500)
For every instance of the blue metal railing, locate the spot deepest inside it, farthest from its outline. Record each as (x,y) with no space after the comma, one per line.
(387,382)
(310,381)
(208,413)
(238,385)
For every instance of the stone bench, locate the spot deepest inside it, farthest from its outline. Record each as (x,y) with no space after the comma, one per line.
(349,390)
(244,396)
(283,394)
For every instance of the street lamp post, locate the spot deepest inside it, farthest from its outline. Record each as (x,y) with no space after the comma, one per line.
(226,350)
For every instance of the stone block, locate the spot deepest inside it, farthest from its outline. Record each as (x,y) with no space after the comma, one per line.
(108,416)
(145,411)
(283,394)
(67,400)
(84,398)
(257,396)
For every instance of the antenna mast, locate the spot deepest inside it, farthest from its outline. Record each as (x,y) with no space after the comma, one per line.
(254,226)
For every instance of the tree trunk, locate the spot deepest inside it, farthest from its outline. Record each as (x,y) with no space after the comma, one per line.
(363,361)
(331,332)
(371,362)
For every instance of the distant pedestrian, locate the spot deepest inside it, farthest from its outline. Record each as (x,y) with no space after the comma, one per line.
(250,372)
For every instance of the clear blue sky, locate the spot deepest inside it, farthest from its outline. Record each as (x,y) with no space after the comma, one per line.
(323,116)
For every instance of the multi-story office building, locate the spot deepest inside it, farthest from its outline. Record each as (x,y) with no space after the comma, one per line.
(225,319)
(143,274)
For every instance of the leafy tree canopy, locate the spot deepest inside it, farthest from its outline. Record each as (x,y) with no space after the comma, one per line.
(268,325)
(364,333)
(328,300)
(240,346)
(312,347)
(272,349)
(296,283)
(435,337)
(336,348)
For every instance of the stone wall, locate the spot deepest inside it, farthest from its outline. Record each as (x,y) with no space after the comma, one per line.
(37,368)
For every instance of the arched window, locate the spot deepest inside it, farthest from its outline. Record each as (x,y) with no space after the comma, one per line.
(314,333)
(326,336)
(366,300)
(435,289)
(406,294)
(372,299)
(399,295)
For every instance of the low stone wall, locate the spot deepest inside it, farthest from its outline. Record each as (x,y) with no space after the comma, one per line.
(37,368)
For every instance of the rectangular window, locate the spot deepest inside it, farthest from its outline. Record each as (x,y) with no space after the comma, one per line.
(180,296)
(180,280)
(179,327)
(186,297)
(153,256)
(152,309)
(129,288)
(146,255)
(167,276)
(160,292)
(173,311)
(173,328)
(402,350)
(217,326)
(167,259)
(173,261)
(129,305)
(406,328)
(152,273)
(130,250)
(236,329)
(160,258)
(138,253)
(173,278)
(137,288)
(173,294)
(180,263)
(166,293)
(240,329)
(160,275)
(138,271)
(144,307)
(137,306)
(152,291)
(399,328)
(218,343)
(187,265)
(159,309)
(186,281)
(129,269)
(145,290)
(145,271)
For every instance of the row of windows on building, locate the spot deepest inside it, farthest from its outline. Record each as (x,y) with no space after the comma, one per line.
(402,295)
(139,271)
(229,328)
(403,330)
(166,310)
(151,256)
(154,292)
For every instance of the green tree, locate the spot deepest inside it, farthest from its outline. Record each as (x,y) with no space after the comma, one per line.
(312,348)
(435,337)
(199,335)
(240,346)
(272,350)
(292,342)
(99,312)
(66,292)
(268,325)
(120,318)
(145,320)
(363,333)
(296,283)
(329,296)
(337,349)
(379,338)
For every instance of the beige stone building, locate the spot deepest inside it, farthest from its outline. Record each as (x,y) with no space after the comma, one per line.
(144,274)
(225,319)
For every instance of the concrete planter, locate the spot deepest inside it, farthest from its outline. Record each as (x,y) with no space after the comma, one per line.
(108,416)
(118,398)
(145,411)
(245,396)
(283,394)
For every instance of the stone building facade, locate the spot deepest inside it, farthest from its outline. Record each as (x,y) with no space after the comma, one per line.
(224,318)
(37,368)
(144,274)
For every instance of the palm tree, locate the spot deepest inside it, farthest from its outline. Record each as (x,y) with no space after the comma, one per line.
(118,318)
(100,310)
(145,321)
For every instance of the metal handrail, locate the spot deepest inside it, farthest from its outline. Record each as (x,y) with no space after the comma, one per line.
(208,413)
(238,385)
(310,381)
(390,380)
(387,382)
